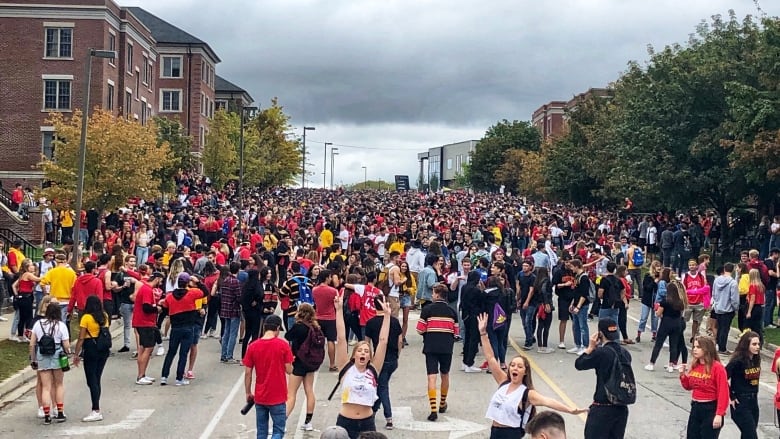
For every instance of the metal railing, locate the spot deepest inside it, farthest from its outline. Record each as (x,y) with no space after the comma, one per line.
(30,250)
(6,197)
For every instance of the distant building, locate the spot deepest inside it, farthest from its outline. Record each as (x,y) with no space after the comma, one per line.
(446,162)
(230,97)
(551,120)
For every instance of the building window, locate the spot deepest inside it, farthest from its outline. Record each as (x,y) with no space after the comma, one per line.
(170,100)
(211,109)
(144,115)
(111,46)
(130,58)
(171,67)
(202,135)
(449,164)
(137,84)
(149,69)
(128,104)
(146,70)
(110,97)
(48,145)
(59,42)
(222,105)
(56,95)
(202,104)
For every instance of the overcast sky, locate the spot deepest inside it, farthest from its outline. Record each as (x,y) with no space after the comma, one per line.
(396,77)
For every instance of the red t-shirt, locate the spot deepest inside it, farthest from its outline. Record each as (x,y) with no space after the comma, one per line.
(185,304)
(712,386)
(269,357)
(323,299)
(754,291)
(143,319)
(693,283)
(367,310)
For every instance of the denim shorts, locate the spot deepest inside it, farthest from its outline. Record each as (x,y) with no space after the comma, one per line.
(405,301)
(49,362)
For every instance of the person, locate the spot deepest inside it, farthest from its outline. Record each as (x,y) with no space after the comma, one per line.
(744,372)
(578,308)
(515,400)
(725,303)
(48,366)
(145,310)
(23,289)
(427,279)
(38,385)
(183,313)
(359,373)
(91,321)
(754,316)
(334,432)
(305,321)
(324,293)
(649,290)
(776,370)
(605,420)
(543,289)
(252,307)
(472,304)
(270,359)
(407,289)
(546,425)
(438,326)
(670,310)
(706,378)
(394,346)
(230,310)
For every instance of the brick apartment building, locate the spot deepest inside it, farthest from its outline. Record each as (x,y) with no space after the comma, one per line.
(551,119)
(159,70)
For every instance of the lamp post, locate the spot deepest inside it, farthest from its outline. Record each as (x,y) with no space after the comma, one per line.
(365,177)
(303,161)
(250,111)
(106,54)
(333,152)
(325,163)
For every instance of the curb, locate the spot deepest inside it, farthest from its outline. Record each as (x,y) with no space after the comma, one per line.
(17,385)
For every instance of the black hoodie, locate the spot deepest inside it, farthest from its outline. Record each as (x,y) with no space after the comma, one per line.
(472,297)
(181,305)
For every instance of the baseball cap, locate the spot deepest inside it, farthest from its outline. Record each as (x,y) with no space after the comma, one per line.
(334,432)
(609,328)
(183,278)
(157,274)
(276,321)
(48,251)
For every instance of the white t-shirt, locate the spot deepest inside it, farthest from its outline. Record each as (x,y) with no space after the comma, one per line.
(503,407)
(359,387)
(59,332)
(379,242)
(344,238)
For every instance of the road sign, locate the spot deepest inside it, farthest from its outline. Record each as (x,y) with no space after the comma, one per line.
(403,419)
(132,421)
(402,182)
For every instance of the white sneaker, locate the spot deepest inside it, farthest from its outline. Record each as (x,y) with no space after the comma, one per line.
(24,339)
(183,382)
(144,381)
(581,351)
(40,413)
(160,351)
(562,346)
(463,366)
(307,427)
(671,368)
(14,338)
(650,367)
(93,417)
(166,338)
(149,378)
(472,369)
(546,350)
(666,345)
(573,350)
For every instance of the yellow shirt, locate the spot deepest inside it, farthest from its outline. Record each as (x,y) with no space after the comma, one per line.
(93,329)
(497,234)
(397,247)
(744,284)
(66,219)
(61,280)
(326,238)
(630,257)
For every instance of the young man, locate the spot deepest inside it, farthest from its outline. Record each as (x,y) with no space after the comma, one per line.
(183,312)
(725,303)
(609,289)
(605,420)
(145,309)
(525,295)
(438,324)
(60,280)
(324,293)
(695,285)
(230,311)
(771,288)
(546,425)
(270,357)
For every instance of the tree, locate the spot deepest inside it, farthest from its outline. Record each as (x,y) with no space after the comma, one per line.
(120,156)
(273,159)
(489,153)
(521,173)
(220,156)
(433,183)
(171,132)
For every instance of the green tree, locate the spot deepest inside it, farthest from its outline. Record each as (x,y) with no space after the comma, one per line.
(171,132)
(490,151)
(433,183)
(273,158)
(220,156)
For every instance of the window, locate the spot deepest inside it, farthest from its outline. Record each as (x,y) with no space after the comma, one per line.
(211,109)
(130,58)
(59,42)
(222,105)
(171,67)
(170,100)
(449,164)
(149,69)
(110,97)
(202,104)
(111,46)
(146,70)
(144,115)
(48,144)
(56,94)
(137,84)
(128,104)
(202,139)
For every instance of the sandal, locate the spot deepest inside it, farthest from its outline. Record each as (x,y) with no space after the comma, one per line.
(333,369)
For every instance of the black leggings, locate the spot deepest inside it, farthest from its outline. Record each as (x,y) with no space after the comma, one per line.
(745,415)
(470,340)
(25,304)
(94,362)
(356,426)
(212,314)
(669,327)
(700,421)
(252,320)
(623,320)
(543,329)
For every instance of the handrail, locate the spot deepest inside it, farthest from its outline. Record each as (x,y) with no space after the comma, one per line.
(6,197)
(29,249)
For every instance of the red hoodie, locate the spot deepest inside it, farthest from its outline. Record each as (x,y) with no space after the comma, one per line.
(86,285)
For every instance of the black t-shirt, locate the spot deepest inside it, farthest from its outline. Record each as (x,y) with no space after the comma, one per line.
(296,335)
(744,376)
(669,311)
(602,359)
(526,282)
(771,266)
(565,293)
(374,325)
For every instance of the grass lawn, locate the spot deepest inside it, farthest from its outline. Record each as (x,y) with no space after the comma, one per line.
(770,335)
(13,358)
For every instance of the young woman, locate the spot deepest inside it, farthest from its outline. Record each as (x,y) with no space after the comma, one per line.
(359,374)
(495,294)
(407,290)
(252,308)
(39,385)
(24,289)
(670,310)
(543,286)
(270,293)
(649,290)
(94,361)
(305,321)
(744,371)
(621,273)
(743,284)
(50,373)
(754,316)
(515,400)
(707,378)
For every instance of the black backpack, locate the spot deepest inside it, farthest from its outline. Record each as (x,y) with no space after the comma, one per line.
(612,291)
(621,385)
(46,344)
(103,340)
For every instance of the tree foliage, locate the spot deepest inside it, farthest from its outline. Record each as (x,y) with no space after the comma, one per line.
(171,132)
(120,157)
(273,158)
(490,151)
(220,153)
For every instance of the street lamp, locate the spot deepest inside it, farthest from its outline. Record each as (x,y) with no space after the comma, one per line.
(365,177)
(325,163)
(333,152)
(106,54)
(245,111)
(303,161)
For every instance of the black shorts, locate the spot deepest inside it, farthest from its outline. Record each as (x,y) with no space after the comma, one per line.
(356,426)
(438,363)
(328,329)
(563,309)
(147,336)
(652,248)
(300,370)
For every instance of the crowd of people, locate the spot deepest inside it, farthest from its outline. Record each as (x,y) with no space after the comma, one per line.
(347,270)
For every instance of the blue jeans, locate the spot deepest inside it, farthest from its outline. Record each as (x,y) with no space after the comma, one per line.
(612,313)
(769,307)
(126,311)
(648,311)
(278,415)
(383,388)
(498,339)
(529,323)
(64,311)
(229,337)
(181,340)
(580,328)
(38,294)
(142,254)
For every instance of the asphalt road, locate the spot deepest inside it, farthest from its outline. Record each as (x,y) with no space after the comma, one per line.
(209,407)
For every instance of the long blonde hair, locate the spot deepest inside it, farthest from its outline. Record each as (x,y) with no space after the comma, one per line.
(177,266)
(755,280)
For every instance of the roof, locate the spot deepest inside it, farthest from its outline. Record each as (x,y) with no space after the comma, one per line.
(166,33)
(222,85)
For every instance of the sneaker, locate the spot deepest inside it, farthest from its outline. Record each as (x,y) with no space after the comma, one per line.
(23,339)
(189,375)
(143,381)
(14,338)
(442,408)
(160,351)
(638,338)
(650,367)
(41,414)
(581,351)
(149,378)
(771,326)
(433,416)
(546,350)
(163,381)
(389,425)
(61,417)
(671,368)
(232,361)
(183,382)
(134,355)
(124,349)
(562,346)
(472,369)
(307,427)
(166,338)
(573,350)
(47,420)
(666,345)
(527,347)
(93,417)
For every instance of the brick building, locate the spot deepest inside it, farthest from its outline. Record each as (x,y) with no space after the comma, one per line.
(230,97)
(551,118)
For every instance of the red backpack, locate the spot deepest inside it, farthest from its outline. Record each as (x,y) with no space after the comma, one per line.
(312,351)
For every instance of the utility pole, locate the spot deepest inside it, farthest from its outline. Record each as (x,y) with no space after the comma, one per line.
(325,163)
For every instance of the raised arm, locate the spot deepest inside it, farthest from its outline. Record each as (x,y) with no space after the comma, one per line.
(342,354)
(384,333)
(495,368)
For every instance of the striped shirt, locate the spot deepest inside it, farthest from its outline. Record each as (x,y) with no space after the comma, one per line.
(438,324)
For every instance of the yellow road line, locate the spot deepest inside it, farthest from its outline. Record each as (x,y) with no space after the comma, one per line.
(546,378)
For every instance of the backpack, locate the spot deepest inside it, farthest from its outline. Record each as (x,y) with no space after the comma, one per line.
(591,287)
(621,385)
(312,351)
(344,370)
(499,316)
(613,291)
(304,291)
(187,241)
(103,340)
(46,344)
(225,227)
(638,258)
(522,408)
